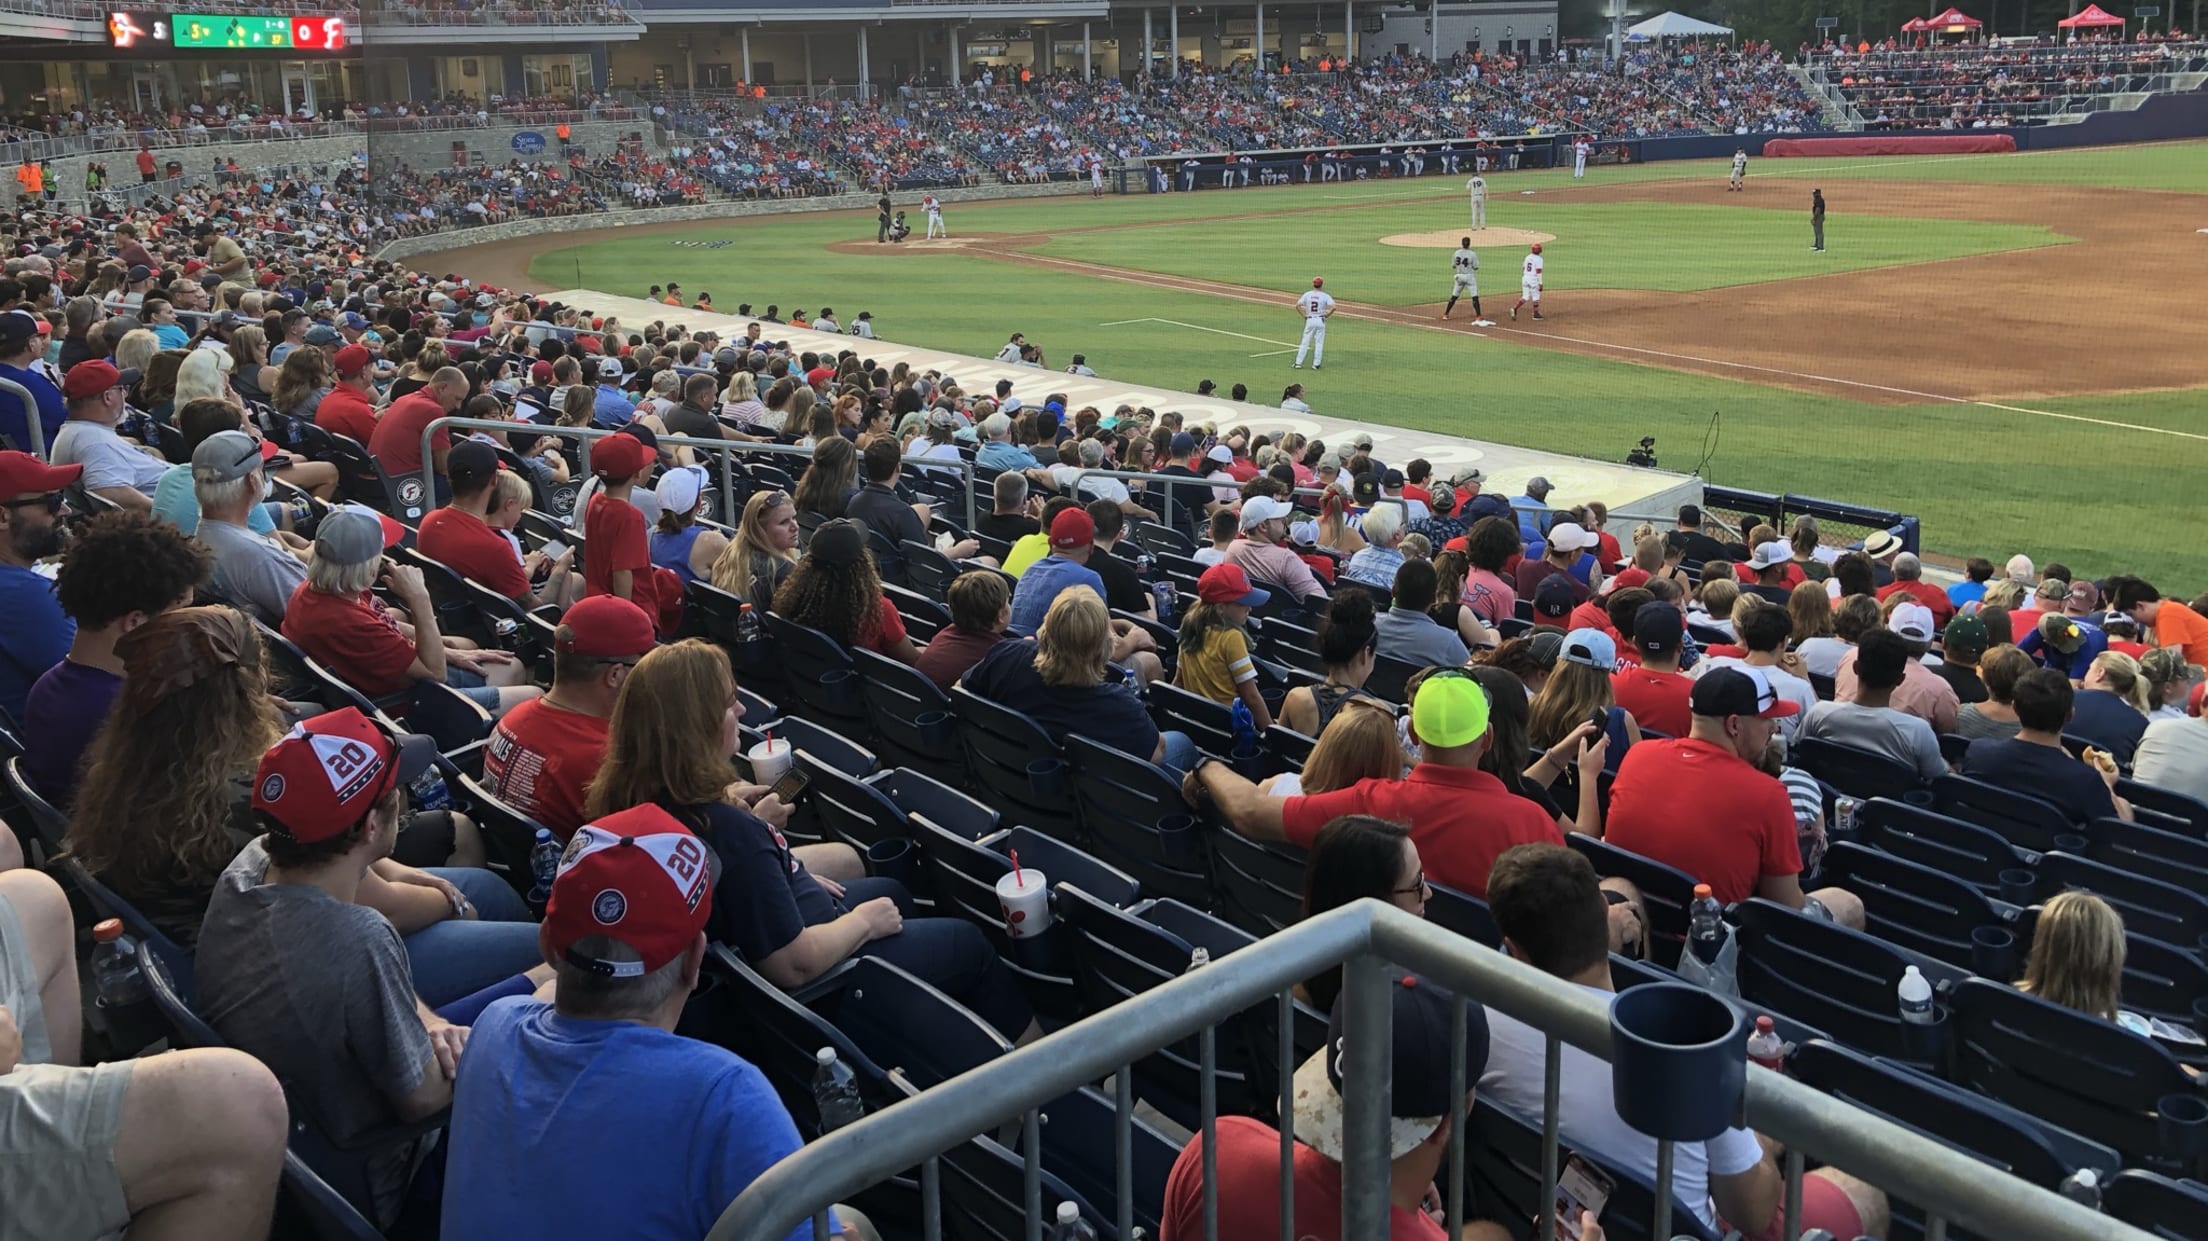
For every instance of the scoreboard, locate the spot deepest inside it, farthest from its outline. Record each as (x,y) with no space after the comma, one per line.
(140,30)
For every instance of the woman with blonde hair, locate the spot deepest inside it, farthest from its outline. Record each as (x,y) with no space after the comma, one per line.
(205,376)
(1714,601)
(250,372)
(764,552)
(798,421)
(792,914)
(136,350)
(2006,593)
(1064,681)
(2077,957)
(1810,609)
(2111,706)
(301,382)
(1360,742)
(2169,680)
(1578,688)
(740,403)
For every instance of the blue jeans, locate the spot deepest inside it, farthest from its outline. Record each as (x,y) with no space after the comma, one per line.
(470,682)
(458,957)
(1180,753)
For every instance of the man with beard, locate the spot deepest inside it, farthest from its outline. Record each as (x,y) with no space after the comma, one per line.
(34,632)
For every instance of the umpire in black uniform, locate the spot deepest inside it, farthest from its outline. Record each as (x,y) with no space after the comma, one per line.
(1817,219)
(882,207)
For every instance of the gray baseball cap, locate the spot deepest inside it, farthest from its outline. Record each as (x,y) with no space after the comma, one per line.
(226,457)
(354,534)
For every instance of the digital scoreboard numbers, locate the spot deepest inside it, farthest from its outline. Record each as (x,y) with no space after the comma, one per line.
(139,30)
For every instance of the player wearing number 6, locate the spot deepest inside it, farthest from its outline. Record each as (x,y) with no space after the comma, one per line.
(1314,306)
(1467,268)
(1529,283)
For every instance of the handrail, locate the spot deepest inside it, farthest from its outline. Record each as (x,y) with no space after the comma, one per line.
(35,428)
(1371,938)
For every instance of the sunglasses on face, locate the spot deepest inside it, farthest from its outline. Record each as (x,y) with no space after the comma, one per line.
(52,502)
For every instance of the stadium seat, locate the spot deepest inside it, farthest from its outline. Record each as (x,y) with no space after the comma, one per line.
(1840,980)
(1015,765)
(2171,1209)
(1466,915)
(1976,855)
(916,792)
(508,834)
(47,824)
(2164,911)
(2168,803)
(846,808)
(445,715)
(2144,850)
(1389,676)
(457,614)
(904,1022)
(1857,773)
(1666,890)
(1209,724)
(1133,816)
(1915,907)
(826,745)
(928,572)
(1260,883)
(310,1207)
(817,675)
(1289,749)
(106,903)
(783,1038)
(2021,819)
(923,617)
(1502,1170)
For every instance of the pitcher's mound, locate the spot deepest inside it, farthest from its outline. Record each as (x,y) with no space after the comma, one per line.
(1447,238)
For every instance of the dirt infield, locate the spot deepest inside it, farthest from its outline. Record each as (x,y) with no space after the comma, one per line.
(1451,238)
(1998,327)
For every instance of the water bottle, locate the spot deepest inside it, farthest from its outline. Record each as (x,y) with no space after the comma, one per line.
(1164,592)
(2083,1187)
(1199,959)
(544,865)
(1127,678)
(1705,925)
(1916,997)
(124,997)
(1765,1047)
(1070,1225)
(747,625)
(429,792)
(835,1091)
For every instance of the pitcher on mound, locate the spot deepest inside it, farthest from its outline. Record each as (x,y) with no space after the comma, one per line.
(1477,188)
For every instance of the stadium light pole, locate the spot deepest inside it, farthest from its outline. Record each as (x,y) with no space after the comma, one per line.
(1349,29)
(1173,36)
(1257,45)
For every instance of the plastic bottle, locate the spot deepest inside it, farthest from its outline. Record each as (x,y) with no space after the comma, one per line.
(1199,959)
(115,973)
(747,625)
(1705,925)
(1765,1047)
(2083,1187)
(1916,997)
(1166,600)
(835,1091)
(544,865)
(1070,1225)
(429,791)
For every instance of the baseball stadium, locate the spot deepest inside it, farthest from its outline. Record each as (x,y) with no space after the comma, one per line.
(1501,620)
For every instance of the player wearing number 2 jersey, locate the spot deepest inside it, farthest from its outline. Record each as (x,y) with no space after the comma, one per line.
(1314,306)
(1529,283)
(1467,269)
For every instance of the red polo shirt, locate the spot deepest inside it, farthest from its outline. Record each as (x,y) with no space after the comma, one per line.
(1698,807)
(466,545)
(346,411)
(1461,819)
(397,443)
(1943,608)
(1657,700)
(541,760)
(353,636)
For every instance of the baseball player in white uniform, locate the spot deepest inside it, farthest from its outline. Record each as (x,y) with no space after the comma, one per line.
(1314,306)
(1580,150)
(1477,188)
(934,209)
(1096,178)
(1529,283)
(1740,170)
(1466,267)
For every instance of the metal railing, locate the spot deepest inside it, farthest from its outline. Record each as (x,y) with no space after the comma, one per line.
(1372,941)
(32,425)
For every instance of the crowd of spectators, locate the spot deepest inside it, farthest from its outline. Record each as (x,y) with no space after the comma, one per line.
(1976,85)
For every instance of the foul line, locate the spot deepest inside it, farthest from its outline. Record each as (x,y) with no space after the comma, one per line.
(1286,345)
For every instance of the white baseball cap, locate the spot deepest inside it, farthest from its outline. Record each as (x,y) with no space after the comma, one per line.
(1259,509)
(1912,621)
(1771,553)
(1567,536)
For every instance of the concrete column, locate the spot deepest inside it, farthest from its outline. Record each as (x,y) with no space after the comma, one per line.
(690,66)
(1146,41)
(1258,44)
(745,33)
(1040,50)
(1349,28)
(807,39)
(1173,36)
(1433,36)
(865,77)
(951,67)
(1085,52)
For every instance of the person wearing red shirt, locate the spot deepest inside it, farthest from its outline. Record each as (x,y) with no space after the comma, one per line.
(618,559)
(1703,804)
(1655,692)
(397,442)
(1460,817)
(1417,472)
(1909,580)
(350,408)
(459,535)
(2051,595)
(544,754)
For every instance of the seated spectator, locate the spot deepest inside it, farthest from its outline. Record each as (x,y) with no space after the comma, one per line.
(1922,693)
(619,560)
(829,482)
(1450,611)
(1822,656)
(1702,804)
(885,513)
(1762,631)
(339,622)
(2173,623)
(298,970)
(1407,630)
(172,496)
(1654,692)
(115,469)
(1225,524)
(1460,816)
(1215,660)
(1490,546)
(1977,571)
(2111,710)
(1909,580)
(1124,589)
(1962,645)
(581,1075)
(460,537)
(1579,688)
(1072,545)
(1364,741)
(2173,754)
(1582,752)
(1348,644)
(126,569)
(834,589)
(1064,681)
(190,1141)
(1868,721)
(34,631)
(397,443)
(2035,763)
(2170,680)
(764,552)
(679,544)
(1013,514)
(2064,643)
(258,571)
(1996,716)
(544,753)
(1246,1159)
(1551,914)
(981,613)
(21,343)
(1561,556)
(1377,562)
(1263,552)
(349,409)
(674,730)
(2077,958)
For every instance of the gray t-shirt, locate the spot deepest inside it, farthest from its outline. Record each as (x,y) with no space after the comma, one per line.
(1417,640)
(108,459)
(254,570)
(1881,730)
(319,991)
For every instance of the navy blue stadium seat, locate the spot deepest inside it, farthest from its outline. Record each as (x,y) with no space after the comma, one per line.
(923,617)
(1975,854)
(2145,850)
(1015,766)
(1841,980)
(508,834)
(902,1021)
(1466,915)
(1133,816)
(2022,819)
(820,682)
(1260,883)
(2172,1209)
(783,1037)
(910,718)
(1502,1167)
(1857,773)
(1915,907)
(1209,724)
(2165,911)
(1667,891)
(2166,802)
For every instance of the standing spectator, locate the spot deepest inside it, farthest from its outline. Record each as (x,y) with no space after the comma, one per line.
(2173,623)
(1867,721)
(2035,763)
(619,559)
(544,753)
(34,631)
(1922,692)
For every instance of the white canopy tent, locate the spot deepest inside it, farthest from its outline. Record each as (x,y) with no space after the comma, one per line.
(1669,25)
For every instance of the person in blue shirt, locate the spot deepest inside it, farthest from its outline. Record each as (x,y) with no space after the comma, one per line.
(609,408)
(160,316)
(998,452)
(1972,589)
(19,346)
(2066,644)
(1072,541)
(34,632)
(669,1129)
(1532,509)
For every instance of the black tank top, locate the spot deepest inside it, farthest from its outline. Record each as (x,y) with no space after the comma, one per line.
(1329,697)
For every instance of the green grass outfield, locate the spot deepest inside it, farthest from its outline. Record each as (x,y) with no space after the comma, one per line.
(2050,477)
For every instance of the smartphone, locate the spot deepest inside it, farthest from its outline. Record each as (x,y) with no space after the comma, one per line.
(1600,718)
(1581,1187)
(790,787)
(552,549)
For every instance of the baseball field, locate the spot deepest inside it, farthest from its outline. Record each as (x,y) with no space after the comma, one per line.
(2012,346)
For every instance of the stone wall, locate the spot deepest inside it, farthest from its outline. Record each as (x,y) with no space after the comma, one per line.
(416,247)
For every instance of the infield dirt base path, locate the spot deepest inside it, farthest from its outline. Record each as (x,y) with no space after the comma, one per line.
(2120,309)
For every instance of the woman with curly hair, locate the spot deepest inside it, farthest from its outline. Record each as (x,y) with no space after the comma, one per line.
(831,480)
(301,383)
(836,590)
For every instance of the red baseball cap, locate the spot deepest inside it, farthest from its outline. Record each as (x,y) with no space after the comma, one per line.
(329,771)
(540,372)
(1227,583)
(352,360)
(619,456)
(94,376)
(819,375)
(637,877)
(22,474)
(1072,528)
(604,627)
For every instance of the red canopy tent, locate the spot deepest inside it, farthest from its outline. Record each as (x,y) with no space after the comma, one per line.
(2094,15)
(1915,25)
(1953,19)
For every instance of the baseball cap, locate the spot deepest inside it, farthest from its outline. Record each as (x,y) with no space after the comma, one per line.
(1418,1088)
(2060,632)
(93,377)
(1552,597)
(1071,529)
(1658,628)
(1913,621)
(470,463)
(2112,619)
(841,542)
(354,534)
(619,456)
(637,877)
(227,456)
(1260,509)
(1545,645)
(1365,490)
(603,627)
(1302,533)
(1570,537)
(2021,569)
(679,489)
(1227,583)
(540,371)
(353,319)
(1966,635)
(137,272)
(1221,454)
(17,326)
(329,771)
(1450,710)
(1775,552)
(352,360)
(1591,647)
(1183,444)
(610,368)
(1739,690)
(23,474)
(323,334)
(1879,543)
(2084,594)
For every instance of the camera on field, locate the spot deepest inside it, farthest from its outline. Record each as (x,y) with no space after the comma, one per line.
(1644,455)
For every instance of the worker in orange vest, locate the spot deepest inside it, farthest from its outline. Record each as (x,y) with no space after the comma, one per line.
(32,177)
(563,133)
